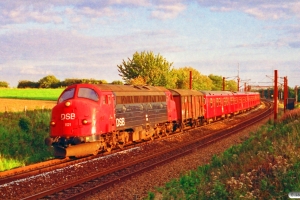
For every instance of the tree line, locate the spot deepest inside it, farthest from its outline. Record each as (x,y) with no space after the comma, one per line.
(51,81)
(144,68)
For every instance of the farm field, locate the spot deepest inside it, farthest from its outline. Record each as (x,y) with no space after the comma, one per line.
(32,94)
(16,100)
(18,105)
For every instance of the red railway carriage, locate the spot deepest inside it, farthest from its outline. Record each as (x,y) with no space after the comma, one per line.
(189,106)
(218,104)
(104,116)
(246,100)
(222,104)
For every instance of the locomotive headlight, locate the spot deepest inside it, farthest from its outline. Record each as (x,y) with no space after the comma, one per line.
(68,103)
(52,123)
(85,121)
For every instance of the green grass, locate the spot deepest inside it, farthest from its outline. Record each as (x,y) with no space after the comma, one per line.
(9,163)
(33,94)
(22,138)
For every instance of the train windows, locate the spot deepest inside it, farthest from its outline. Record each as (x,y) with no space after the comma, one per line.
(140,99)
(88,93)
(211,103)
(68,94)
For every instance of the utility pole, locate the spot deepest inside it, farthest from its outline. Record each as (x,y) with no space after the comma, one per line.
(296,95)
(191,79)
(223,83)
(285,94)
(275,95)
(238,78)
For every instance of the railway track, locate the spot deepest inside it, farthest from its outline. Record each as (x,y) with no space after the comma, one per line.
(98,181)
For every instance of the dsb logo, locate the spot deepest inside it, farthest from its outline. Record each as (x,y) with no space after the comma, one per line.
(67,116)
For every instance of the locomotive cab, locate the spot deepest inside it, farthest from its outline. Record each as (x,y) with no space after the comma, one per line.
(74,119)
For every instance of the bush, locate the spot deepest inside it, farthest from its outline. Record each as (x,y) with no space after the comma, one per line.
(25,124)
(22,137)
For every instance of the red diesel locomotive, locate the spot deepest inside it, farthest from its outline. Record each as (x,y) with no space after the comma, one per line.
(91,118)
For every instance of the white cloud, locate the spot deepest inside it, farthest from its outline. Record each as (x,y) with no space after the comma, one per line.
(168,11)
(260,9)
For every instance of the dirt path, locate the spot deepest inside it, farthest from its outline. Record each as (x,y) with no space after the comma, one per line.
(16,105)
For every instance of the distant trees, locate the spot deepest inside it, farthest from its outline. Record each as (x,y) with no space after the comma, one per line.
(146,68)
(117,83)
(230,85)
(51,81)
(199,81)
(27,84)
(217,82)
(48,82)
(4,84)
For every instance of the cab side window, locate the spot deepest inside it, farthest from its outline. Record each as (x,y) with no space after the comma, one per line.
(68,94)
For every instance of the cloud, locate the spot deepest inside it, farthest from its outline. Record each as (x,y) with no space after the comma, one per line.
(295,45)
(167,11)
(259,9)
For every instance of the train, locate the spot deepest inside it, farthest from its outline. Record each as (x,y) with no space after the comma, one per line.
(90,118)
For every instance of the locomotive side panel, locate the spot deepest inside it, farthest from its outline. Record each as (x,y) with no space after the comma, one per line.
(135,111)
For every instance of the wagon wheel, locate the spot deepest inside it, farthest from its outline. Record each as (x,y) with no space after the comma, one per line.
(95,152)
(108,149)
(182,126)
(152,137)
(167,133)
(159,135)
(121,145)
(194,124)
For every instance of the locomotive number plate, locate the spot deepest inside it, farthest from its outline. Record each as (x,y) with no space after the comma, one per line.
(68,124)
(120,121)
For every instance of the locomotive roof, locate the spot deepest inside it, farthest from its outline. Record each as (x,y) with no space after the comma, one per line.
(185,92)
(132,90)
(224,93)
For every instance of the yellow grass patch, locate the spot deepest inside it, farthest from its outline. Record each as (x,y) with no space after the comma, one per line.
(17,105)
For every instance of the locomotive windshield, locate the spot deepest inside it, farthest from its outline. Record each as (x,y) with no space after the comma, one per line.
(68,94)
(88,93)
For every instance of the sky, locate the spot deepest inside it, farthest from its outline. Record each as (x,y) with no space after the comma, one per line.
(89,38)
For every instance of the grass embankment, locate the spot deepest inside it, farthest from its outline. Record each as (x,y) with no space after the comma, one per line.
(22,138)
(33,94)
(265,166)
(22,133)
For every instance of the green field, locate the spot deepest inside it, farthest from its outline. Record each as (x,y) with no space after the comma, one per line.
(34,94)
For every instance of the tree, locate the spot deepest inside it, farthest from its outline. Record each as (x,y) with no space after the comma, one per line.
(117,83)
(137,81)
(217,82)
(153,69)
(3,84)
(231,85)
(47,81)
(199,81)
(27,84)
